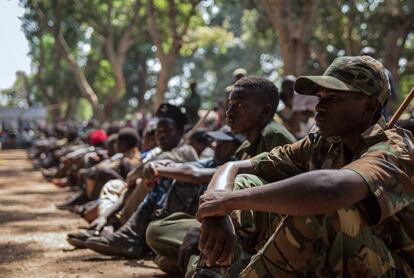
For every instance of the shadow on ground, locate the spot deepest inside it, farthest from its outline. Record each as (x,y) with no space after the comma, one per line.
(8,216)
(17,251)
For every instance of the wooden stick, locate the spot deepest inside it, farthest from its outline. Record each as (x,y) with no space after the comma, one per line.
(400,109)
(190,133)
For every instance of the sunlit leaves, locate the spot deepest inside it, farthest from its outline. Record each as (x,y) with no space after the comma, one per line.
(208,37)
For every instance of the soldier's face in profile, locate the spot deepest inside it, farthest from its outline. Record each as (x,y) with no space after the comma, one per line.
(243,111)
(167,135)
(340,113)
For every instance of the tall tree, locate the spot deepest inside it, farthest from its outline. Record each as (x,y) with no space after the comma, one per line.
(168,23)
(51,74)
(294,23)
(115,23)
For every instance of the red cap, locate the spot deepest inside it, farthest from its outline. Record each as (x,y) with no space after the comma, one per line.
(97,137)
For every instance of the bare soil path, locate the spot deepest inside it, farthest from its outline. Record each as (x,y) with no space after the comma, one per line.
(33,231)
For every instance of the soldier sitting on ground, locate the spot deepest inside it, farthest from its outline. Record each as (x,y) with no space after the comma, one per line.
(126,196)
(97,176)
(344,193)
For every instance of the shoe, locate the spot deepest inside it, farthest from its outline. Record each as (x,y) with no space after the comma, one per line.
(48,174)
(63,182)
(75,200)
(129,240)
(118,244)
(79,239)
(167,265)
(207,273)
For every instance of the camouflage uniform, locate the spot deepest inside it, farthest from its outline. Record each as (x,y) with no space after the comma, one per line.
(376,231)
(372,237)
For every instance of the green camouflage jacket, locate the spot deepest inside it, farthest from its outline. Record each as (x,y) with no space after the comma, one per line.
(378,231)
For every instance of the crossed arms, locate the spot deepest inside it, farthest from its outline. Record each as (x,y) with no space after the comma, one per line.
(310,193)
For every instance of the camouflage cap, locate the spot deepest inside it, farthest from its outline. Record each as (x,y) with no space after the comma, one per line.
(353,74)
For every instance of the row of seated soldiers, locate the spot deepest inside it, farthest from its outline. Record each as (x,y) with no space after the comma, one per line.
(141,200)
(125,184)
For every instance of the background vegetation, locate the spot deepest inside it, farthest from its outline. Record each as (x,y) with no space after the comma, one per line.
(110,58)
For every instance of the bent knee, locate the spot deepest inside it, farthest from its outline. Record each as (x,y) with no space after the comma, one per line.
(244,181)
(153,233)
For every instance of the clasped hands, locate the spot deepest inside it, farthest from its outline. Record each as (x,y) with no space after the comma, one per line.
(150,172)
(217,231)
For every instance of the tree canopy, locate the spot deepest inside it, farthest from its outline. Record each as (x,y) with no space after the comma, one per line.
(113,57)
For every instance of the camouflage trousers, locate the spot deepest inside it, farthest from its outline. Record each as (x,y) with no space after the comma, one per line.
(111,192)
(317,246)
(329,245)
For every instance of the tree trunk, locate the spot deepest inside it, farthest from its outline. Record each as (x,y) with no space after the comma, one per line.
(39,78)
(47,94)
(107,110)
(142,85)
(349,29)
(118,91)
(294,32)
(295,55)
(28,90)
(72,101)
(168,58)
(80,77)
(55,111)
(164,76)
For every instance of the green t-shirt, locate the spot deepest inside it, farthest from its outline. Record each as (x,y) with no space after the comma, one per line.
(271,136)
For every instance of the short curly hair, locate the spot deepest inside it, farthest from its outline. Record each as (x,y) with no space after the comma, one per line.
(263,88)
(129,137)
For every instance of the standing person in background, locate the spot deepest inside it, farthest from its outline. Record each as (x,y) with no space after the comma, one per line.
(290,120)
(239,74)
(192,103)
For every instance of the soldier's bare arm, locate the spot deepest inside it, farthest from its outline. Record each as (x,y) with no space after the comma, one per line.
(311,193)
(223,179)
(186,173)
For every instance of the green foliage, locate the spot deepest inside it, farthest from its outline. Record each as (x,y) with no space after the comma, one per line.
(222,36)
(21,94)
(104,80)
(83,110)
(208,37)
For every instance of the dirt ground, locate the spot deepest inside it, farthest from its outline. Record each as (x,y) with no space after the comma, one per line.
(33,231)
